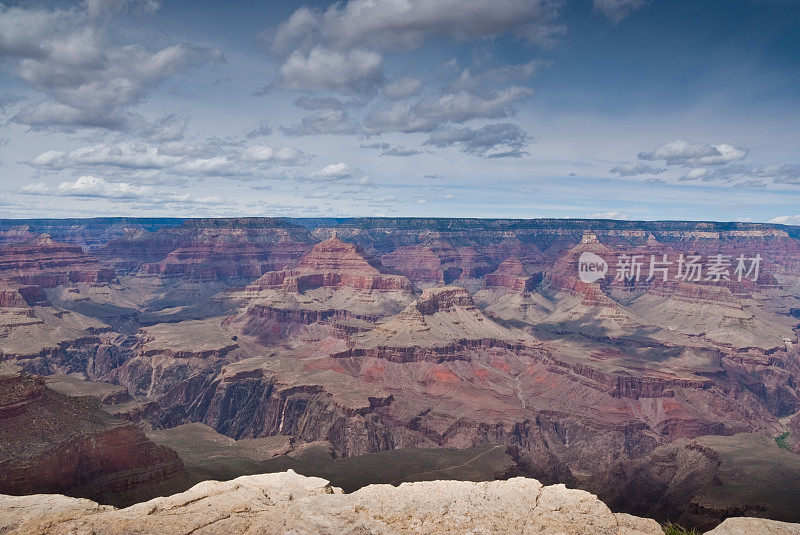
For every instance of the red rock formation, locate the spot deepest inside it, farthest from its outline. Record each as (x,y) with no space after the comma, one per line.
(47,264)
(53,443)
(512,275)
(437,261)
(334,264)
(420,264)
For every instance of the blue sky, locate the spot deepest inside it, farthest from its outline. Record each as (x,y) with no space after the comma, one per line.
(631,109)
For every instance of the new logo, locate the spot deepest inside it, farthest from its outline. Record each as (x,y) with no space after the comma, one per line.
(591,268)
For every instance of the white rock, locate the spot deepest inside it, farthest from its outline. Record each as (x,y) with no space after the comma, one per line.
(751,526)
(288,503)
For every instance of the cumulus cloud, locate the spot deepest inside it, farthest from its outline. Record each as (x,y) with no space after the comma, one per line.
(131,155)
(502,140)
(691,153)
(217,165)
(635,168)
(335,171)
(87,80)
(617,10)
(89,186)
(715,163)
(407,24)
(786,220)
(430,113)
(283,155)
(212,158)
(353,71)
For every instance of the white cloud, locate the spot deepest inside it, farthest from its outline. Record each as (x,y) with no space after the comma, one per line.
(691,153)
(88,80)
(635,168)
(608,215)
(215,157)
(402,88)
(89,186)
(430,113)
(130,155)
(408,23)
(617,10)
(500,140)
(335,171)
(207,166)
(264,153)
(354,71)
(37,188)
(786,220)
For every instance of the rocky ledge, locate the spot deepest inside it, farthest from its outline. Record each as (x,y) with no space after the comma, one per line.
(290,503)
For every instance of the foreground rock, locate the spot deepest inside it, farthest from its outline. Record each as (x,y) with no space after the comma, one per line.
(291,503)
(745,526)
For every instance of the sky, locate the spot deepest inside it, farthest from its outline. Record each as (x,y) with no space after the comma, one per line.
(621,109)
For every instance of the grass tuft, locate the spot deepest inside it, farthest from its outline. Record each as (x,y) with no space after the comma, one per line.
(674,529)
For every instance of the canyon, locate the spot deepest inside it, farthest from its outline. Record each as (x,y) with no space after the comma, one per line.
(338,345)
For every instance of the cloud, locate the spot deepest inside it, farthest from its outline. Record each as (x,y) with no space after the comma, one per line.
(690,153)
(407,24)
(37,188)
(131,155)
(608,215)
(786,220)
(215,157)
(324,122)
(402,88)
(353,72)
(781,173)
(635,168)
(474,79)
(324,103)
(88,81)
(8,100)
(262,129)
(502,140)
(431,113)
(283,155)
(617,10)
(388,150)
(335,171)
(89,186)
(168,128)
(745,175)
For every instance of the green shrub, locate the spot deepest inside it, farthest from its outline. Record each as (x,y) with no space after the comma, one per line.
(674,529)
(783,440)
